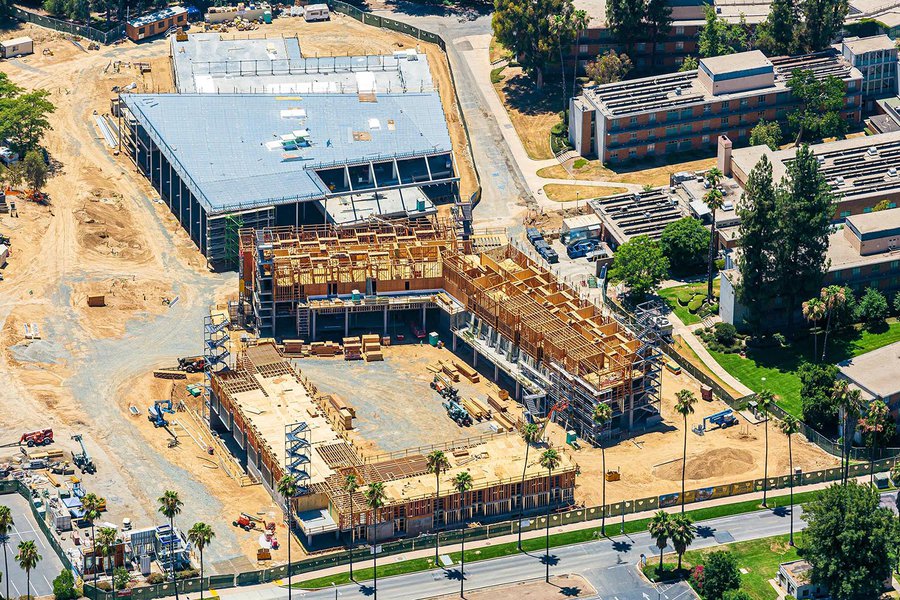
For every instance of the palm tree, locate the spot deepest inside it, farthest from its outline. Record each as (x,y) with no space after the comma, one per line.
(6,525)
(764,401)
(350,486)
(437,464)
(602,416)
(814,311)
(790,426)
(530,434)
(561,27)
(715,200)
(200,535)
(839,391)
(834,297)
(579,21)
(550,459)
(682,533)
(170,506)
(28,558)
(287,488)
(660,528)
(463,483)
(684,405)
(375,497)
(873,426)
(91,504)
(105,545)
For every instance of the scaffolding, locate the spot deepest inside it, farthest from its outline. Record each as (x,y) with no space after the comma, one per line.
(233,225)
(296,455)
(215,348)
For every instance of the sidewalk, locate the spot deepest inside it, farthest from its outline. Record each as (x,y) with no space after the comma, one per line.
(679,328)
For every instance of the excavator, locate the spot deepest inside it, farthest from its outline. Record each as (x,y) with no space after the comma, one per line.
(155,412)
(82,459)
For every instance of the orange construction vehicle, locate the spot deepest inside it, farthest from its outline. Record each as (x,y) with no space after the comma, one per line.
(42,437)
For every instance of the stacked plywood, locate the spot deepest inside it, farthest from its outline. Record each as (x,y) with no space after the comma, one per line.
(352,348)
(371,347)
(293,346)
(499,406)
(504,423)
(467,371)
(324,349)
(450,370)
(478,412)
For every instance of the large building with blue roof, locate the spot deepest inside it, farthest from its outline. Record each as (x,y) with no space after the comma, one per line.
(225,161)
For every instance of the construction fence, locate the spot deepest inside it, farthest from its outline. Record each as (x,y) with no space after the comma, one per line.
(533,523)
(104,37)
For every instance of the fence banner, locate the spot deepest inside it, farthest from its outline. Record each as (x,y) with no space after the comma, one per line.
(219,582)
(646,504)
(669,499)
(744,487)
(249,578)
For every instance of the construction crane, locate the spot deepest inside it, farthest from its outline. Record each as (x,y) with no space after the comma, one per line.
(82,459)
(560,406)
(155,412)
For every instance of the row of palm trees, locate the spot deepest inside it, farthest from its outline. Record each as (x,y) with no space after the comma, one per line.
(831,299)
(27,555)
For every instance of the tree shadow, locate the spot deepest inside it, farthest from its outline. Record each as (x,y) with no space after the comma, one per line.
(781,511)
(569,591)
(621,546)
(453,574)
(705,531)
(523,95)
(367,590)
(551,560)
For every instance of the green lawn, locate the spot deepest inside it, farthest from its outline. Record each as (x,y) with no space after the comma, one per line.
(775,368)
(670,296)
(388,566)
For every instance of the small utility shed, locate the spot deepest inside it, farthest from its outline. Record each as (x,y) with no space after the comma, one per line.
(17,47)
(875,373)
(580,228)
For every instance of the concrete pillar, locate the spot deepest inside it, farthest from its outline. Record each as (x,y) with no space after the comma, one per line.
(474,357)
(312,330)
(453,347)
(630,409)
(424,326)
(496,372)
(518,390)
(385,321)
(346,323)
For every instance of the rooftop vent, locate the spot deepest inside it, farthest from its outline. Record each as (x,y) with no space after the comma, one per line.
(678,91)
(873,151)
(892,172)
(729,205)
(839,180)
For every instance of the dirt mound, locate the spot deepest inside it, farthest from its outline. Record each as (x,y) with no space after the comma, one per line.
(124,298)
(106,227)
(712,463)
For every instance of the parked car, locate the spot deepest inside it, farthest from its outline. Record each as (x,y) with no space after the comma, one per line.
(7,156)
(581,248)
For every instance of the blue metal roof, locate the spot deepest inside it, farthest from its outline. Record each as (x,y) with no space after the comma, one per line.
(224,146)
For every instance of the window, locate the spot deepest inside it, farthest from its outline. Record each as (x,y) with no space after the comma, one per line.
(761,115)
(895,264)
(679,30)
(742,133)
(583,49)
(632,153)
(705,139)
(867,209)
(633,120)
(142,30)
(836,275)
(876,268)
(845,214)
(745,102)
(671,115)
(724,121)
(641,47)
(855,272)
(652,117)
(851,85)
(686,128)
(707,108)
(651,148)
(679,45)
(725,105)
(633,136)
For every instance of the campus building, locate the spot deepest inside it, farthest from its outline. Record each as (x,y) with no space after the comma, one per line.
(726,95)
(876,59)
(156,23)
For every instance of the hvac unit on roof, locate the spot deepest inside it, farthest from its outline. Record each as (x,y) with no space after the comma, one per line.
(678,91)
(892,172)
(820,160)
(839,180)
(729,205)
(873,151)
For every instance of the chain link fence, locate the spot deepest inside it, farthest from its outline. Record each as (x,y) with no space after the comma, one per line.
(103,37)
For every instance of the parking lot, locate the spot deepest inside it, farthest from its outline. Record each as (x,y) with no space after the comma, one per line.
(25,528)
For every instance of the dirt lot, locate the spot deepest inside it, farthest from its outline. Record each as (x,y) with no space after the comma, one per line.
(563,586)
(650,464)
(646,173)
(574,193)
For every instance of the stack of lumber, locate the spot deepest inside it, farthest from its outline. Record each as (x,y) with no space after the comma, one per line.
(476,409)
(434,368)
(324,349)
(352,348)
(450,370)
(467,371)
(371,347)
(293,346)
(504,423)
(499,406)
(504,395)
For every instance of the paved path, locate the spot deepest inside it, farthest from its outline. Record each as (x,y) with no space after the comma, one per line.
(687,334)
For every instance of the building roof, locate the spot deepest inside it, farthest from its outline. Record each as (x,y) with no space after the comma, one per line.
(798,571)
(852,170)
(158,15)
(875,372)
(356,209)
(859,45)
(736,63)
(884,123)
(16,41)
(875,222)
(228,147)
(633,214)
(580,222)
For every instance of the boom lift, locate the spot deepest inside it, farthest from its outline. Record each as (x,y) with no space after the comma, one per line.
(82,459)
(155,412)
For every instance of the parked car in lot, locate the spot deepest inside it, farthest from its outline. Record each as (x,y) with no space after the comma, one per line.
(7,156)
(582,248)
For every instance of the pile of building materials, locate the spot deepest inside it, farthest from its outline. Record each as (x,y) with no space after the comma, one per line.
(475,408)
(371,347)
(339,413)
(450,370)
(467,371)
(327,349)
(294,347)
(353,348)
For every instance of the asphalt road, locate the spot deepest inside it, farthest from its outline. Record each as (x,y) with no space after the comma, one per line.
(26,529)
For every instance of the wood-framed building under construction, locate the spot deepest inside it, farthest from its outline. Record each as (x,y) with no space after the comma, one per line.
(554,347)
(275,422)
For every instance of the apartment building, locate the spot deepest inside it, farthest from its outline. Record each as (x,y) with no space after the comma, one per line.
(876,59)
(727,95)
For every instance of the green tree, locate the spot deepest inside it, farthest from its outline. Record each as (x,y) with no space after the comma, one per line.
(834,298)
(897,303)
(201,535)
(757,230)
(524,28)
(170,506)
(777,35)
(736,595)
(850,404)
(819,104)
(120,578)
(351,484)
(718,36)
(822,22)
(720,574)
(820,409)
(375,498)
(625,18)
(766,133)
(6,526)
(530,434)
(288,488)
(91,504)
(602,416)
(562,28)
(580,22)
(28,558)
(872,308)
(849,541)
(684,406)
(682,533)
(640,263)
(657,22)
(660,528)
(875,426)
(462,483)
(106,547)
(790,426)
(764,401)
(690,63)
(438,463)
(64,586)
(805,208)
(685,243)
(550,460)
(882,205)
(35,170)
(814,311)
(23,115)
(609,67)
(714,200)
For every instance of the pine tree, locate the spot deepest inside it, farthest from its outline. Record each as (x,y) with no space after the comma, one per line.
(823,20)
(624,19)
(757,229)
(778,33)
(658,19)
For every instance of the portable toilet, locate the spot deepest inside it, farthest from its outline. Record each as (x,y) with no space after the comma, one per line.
(267,17)
(571,437)
(433,338)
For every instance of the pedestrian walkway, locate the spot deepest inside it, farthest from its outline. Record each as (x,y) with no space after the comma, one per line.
(687,334)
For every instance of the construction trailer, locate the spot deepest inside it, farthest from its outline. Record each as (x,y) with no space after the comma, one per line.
(276,423)
(539,334)
(19,46)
